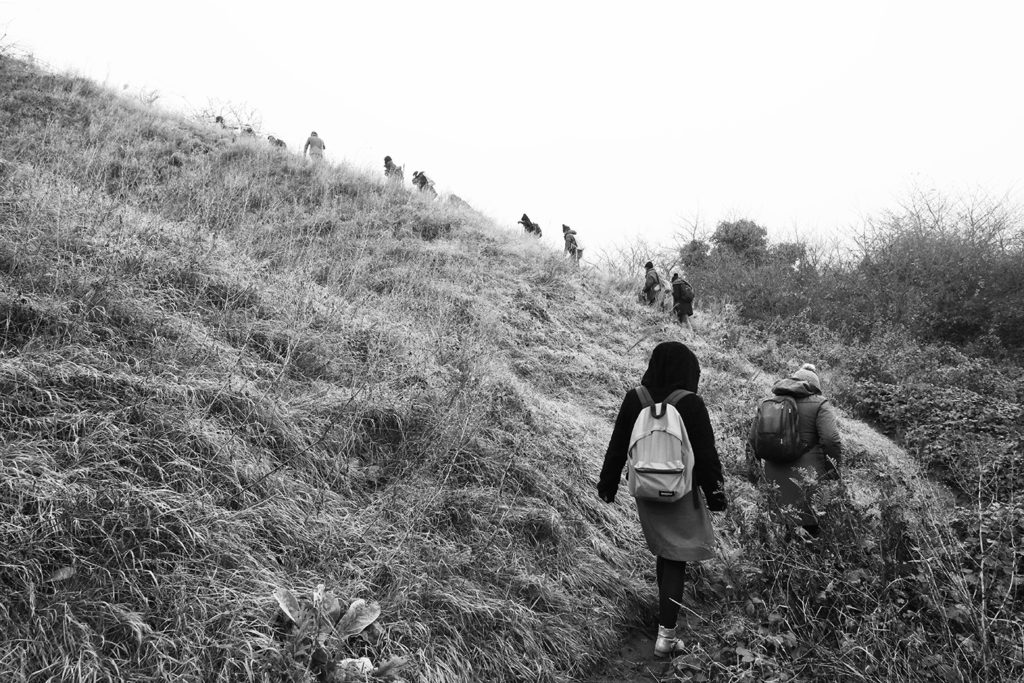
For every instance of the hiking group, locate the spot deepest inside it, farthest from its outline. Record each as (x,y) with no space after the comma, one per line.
(653,291)
(394,173)
(314,150)
(664,439)
(572,248)
(682,294)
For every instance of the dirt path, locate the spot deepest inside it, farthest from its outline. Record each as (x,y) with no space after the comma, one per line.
(635,661)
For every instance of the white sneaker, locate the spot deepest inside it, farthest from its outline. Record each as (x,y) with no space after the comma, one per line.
(667,644)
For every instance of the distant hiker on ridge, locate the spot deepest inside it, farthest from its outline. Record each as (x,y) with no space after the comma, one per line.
(423,183)
(796,432)
(652,284)
(393,171)
(664,425)
(572,247)
(529,226)
(315,146)
(682,300)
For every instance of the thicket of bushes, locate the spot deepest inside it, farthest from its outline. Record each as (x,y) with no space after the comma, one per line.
(920,334)
(944,270)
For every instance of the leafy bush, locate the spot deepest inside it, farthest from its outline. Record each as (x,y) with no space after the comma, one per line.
(314,633)
(944,270)
(743,238)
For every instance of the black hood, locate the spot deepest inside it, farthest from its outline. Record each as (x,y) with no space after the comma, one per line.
(672,366)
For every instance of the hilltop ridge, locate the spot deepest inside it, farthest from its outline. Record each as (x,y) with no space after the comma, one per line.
(228,371)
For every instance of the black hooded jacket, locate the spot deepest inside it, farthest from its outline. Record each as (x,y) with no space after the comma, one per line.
(672,366)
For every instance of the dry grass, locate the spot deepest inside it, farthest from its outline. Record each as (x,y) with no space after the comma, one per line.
(227,371)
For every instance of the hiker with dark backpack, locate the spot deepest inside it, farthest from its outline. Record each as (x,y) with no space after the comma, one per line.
(796,432)
(682,300)
(663,436)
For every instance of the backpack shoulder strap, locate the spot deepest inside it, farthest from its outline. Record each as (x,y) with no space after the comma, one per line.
(677,396)
(644,396)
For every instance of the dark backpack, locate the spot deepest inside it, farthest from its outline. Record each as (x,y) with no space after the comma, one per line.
(776,437)
(684,292)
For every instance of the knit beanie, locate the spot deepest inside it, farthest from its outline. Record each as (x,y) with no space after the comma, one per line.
(809,375)
(648,265)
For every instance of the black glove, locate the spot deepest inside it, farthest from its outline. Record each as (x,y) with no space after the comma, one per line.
(607,494)
(716,500)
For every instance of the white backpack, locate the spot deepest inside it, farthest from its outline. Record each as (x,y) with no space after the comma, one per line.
(660,461)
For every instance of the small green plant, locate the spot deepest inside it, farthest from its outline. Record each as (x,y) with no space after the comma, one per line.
(315,632)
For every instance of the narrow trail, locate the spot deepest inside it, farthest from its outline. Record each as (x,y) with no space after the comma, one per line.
(720,620)
(635,662)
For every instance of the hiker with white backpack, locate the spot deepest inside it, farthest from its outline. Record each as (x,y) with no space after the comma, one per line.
(795,434)
(663,436)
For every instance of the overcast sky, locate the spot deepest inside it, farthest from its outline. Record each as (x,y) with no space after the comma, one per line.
(621,119)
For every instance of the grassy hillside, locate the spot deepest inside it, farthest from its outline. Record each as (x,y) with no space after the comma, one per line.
(228,374)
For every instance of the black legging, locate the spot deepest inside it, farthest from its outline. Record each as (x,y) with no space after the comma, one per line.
(671,579)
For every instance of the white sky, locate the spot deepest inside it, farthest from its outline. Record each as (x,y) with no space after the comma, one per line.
(621,119)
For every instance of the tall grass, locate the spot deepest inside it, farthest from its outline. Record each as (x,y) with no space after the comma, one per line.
(228,371)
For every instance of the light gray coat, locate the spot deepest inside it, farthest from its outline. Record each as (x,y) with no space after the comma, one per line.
(818,425)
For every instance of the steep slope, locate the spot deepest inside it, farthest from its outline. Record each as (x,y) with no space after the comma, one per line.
(228,372)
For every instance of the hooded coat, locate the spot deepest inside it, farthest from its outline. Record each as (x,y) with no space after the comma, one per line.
(570,241)
(392,170)
(652,284)
(680,530)
(818,427)
(425,184)
(529,226)
(315,146)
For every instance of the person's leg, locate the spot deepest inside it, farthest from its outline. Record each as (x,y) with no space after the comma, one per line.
(671,579)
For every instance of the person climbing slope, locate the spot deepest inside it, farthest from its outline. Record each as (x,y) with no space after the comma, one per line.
(393,172)
(675,522)
(652,283)
(798,447)
(315,146)
(682,300)
(529,226)
(572,247)
(424,184)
